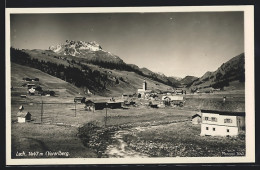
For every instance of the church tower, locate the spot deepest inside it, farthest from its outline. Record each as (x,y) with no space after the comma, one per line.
(144,85)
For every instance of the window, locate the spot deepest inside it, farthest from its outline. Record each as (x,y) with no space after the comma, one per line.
(207,128)
(206,118)
(227,121)
(227,130)
(214,129)
(213,119)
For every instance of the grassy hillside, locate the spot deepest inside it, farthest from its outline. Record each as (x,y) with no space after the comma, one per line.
(99,58)
(232,70)
(99,80)
(63,90)
(188,79)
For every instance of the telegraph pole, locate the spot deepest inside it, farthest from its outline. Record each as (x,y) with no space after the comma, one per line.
(106,116)
(41,112)
(75,109)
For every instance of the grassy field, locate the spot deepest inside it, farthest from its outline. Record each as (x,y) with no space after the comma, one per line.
(29,137)
(182,140)
(59,128)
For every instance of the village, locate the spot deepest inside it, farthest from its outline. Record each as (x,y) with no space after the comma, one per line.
(207,116)
(214,121)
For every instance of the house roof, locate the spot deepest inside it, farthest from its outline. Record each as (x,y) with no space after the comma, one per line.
(22,113)
(79,98)
(88,102)
(155,102)
(196,115)
(227,106)
(119,101)
(175,97)
(224,112)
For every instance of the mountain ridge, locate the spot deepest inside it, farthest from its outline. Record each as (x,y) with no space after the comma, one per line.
(84,55)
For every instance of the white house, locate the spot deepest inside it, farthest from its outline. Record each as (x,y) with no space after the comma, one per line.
(172,98)
(23,116)
(221,123)
(31,91)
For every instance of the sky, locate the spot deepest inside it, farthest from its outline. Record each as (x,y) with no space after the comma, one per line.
(175,44)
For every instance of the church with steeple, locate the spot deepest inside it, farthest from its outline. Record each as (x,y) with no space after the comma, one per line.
(141,92)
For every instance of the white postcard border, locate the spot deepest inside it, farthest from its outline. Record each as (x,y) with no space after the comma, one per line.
(249,87)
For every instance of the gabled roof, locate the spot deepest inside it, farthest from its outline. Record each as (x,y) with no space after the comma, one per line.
(196,115)
(101,101)
(155,102)
(227,106)
(22,113)
(117,101)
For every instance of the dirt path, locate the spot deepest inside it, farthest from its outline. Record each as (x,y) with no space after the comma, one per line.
(120,148)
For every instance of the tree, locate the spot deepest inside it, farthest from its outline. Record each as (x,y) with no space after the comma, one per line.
(117,81)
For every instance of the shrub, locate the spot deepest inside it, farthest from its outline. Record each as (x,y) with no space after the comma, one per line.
(94,136)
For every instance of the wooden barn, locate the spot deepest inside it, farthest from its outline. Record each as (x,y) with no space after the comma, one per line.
(100,105)
(89,105)
(114,104)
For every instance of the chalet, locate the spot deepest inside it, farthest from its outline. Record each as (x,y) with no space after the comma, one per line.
(173,100)
(23,116)
(222,123)
(196,119)
(222,118)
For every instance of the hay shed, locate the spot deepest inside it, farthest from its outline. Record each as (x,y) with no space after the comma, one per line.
(196,119)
